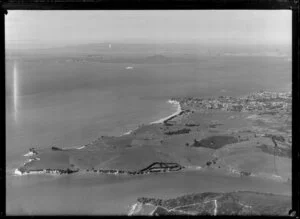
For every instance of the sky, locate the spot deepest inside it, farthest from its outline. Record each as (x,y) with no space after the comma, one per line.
(47,29)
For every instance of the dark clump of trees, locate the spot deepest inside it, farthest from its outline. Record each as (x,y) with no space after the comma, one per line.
(215,142)
(281,152)
(177,132)
(168,124)
(191,124)
(276,137)
(56,148)
(245,173)
(33,150)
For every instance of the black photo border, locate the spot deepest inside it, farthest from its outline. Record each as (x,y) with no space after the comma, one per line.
(293,5)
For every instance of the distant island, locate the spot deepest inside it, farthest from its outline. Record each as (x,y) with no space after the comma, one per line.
(154,59)
(108,58)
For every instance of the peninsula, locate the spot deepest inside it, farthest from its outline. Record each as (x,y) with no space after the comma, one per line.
(249,136)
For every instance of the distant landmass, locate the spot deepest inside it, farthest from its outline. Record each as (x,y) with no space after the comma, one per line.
(149,53)
(154,59)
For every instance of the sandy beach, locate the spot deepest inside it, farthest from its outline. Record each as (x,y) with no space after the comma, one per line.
(174,114)
(174,102)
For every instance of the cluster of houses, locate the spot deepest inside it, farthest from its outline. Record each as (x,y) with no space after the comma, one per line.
(260,101)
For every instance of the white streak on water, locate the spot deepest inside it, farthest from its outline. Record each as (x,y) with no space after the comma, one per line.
(15,94)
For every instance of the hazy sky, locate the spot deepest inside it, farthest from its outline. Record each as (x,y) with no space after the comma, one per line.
(40,29)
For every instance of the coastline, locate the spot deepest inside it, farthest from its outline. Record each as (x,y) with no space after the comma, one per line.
(17,172)
(178,111)
(31,154)
(156,167)
(165,120)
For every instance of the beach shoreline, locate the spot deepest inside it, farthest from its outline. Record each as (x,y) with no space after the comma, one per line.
(178,111)
(161,120)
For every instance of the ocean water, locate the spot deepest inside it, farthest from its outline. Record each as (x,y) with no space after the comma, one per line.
(69,104)
(57,111)
(106,195)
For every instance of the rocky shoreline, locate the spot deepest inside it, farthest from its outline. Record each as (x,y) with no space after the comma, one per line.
(157,167)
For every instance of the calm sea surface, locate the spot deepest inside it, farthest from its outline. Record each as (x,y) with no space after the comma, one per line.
(98,194)
(70,104)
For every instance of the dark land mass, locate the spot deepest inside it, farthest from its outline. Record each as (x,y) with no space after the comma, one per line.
(155,59)
(191,125)
(178,132)
(215,142)
(56,148)
(157,167)
(210,203)
(128,59)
